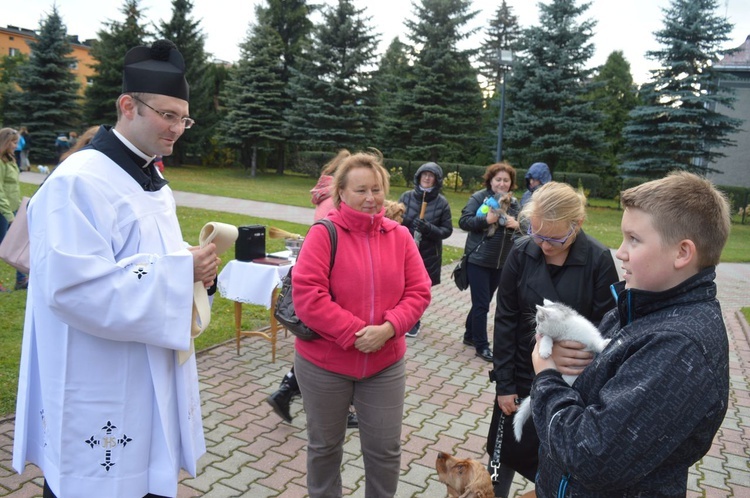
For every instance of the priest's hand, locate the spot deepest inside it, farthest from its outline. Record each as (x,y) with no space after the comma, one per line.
(205,264)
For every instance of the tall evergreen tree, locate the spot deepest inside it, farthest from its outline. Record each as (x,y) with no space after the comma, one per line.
(291,21)
(446,98)
(503,33)
(109,50)
(334,104)
(254,98)
(614,95)
(393,77)
(548,116)
(48,102)
(187,35)
(677,126)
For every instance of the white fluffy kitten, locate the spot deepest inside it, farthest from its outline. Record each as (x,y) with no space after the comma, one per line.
(558,322)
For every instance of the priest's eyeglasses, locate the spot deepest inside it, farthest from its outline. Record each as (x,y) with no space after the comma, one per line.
(540,239)
(169,117)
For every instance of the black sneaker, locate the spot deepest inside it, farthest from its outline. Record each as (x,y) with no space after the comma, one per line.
(468,342)
(485,354)
(352,422)
(413,332)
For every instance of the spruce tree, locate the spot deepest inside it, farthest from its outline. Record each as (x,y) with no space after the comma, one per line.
(48,102)
(393,78)
(334,105)
(445,124)
(253,97)
(502,34)
(677,126)
(186,34)
(290,19)
(614,94)
(548,117)
(109,50)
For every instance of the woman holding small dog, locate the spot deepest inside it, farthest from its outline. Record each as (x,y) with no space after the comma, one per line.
(556,261)
(362,308)
(489,241)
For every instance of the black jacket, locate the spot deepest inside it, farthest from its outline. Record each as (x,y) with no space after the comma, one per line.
(583,284)
(495,249)
(649,405)
(438,218)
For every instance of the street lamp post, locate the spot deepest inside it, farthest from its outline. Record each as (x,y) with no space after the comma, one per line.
(505,58)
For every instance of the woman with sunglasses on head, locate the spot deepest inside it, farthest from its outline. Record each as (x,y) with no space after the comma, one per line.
(556,260)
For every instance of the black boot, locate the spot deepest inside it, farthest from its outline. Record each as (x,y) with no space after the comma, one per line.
(281,399)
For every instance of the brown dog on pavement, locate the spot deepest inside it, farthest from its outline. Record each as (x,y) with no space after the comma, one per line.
(464,478)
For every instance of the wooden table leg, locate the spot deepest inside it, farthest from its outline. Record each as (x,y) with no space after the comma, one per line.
(238,322)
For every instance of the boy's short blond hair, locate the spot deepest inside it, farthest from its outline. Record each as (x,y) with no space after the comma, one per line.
(685,206)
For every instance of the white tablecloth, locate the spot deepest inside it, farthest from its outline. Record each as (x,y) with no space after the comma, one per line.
(250,283)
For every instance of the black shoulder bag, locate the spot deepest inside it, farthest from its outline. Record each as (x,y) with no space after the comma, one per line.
(284,310)
(459,275)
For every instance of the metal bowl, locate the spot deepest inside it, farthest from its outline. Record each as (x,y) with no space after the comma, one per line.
(293,245)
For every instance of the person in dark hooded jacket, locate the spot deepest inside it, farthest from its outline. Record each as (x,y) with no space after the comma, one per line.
(537,176)
(434,227)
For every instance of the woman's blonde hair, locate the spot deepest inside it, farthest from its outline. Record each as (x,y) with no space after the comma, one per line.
(370,160)
(7,135)
(555,202)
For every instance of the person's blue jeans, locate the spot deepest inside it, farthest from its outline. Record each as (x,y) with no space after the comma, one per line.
(483,283)
(4,225)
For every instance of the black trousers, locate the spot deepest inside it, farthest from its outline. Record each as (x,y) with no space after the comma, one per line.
(47,493)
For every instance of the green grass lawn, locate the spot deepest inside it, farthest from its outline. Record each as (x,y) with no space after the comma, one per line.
(603,223)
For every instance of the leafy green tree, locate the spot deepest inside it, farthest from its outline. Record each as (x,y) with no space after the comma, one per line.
(548,117)
(614,94)
(109,50)
(677,126)
(9,67)
(185,32)
(48,102)
(334,105)
(445,98)
(254,98)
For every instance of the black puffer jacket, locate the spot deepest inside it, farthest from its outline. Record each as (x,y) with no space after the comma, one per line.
(649,405)
(437,215)
(495,249)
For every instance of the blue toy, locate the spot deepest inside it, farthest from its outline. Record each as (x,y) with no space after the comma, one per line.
(489,203)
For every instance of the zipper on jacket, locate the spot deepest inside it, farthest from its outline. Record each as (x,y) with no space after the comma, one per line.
(563,486)
(372,294)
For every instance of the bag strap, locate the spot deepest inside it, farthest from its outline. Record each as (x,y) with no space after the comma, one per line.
(484,239)
(333,234)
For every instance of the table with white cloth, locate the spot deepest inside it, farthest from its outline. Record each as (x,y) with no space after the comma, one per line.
(253,283)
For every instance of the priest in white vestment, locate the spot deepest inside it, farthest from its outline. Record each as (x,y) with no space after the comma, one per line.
(105,409)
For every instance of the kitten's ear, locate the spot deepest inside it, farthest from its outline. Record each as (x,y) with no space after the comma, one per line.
(547,302)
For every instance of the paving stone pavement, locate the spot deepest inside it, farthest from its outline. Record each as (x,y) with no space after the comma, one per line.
(252,453)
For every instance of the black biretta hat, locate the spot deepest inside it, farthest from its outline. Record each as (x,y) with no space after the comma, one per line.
(158,69)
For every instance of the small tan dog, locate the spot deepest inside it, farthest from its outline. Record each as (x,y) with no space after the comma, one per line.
(464,478)
(395,210)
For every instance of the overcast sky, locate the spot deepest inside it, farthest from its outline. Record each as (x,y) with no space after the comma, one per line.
(626,26)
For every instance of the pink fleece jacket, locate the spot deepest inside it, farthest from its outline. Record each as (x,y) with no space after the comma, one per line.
(378,276)
(321,196)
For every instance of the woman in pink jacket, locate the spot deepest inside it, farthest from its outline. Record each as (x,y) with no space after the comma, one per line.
(375,292)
